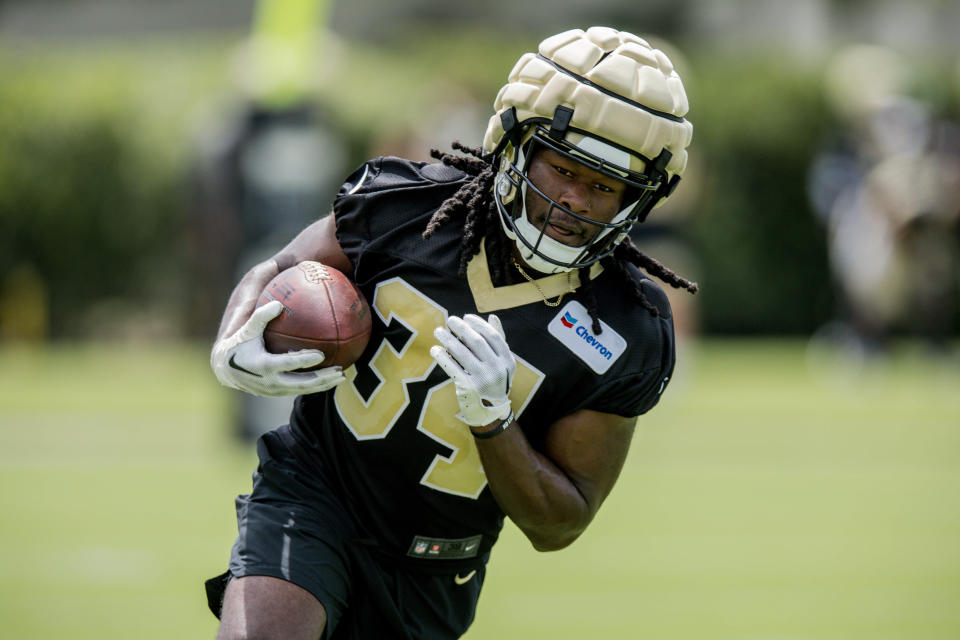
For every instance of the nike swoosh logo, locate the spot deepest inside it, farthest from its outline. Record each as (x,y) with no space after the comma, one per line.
(465,579)
(233,365)
(470,547)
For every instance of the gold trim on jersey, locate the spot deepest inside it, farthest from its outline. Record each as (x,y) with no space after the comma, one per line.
(490,298)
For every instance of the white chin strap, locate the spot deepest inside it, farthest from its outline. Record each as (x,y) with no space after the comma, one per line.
(549,247)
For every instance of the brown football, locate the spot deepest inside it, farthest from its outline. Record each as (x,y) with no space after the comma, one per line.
(322,309)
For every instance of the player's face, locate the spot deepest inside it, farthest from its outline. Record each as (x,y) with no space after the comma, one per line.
(580,189)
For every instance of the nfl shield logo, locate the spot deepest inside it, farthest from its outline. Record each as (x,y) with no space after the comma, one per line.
(420,548)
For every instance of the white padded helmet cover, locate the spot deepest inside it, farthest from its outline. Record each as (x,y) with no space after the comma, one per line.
(621,63)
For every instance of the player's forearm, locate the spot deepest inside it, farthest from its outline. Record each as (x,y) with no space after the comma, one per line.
(536,494)
(243,299)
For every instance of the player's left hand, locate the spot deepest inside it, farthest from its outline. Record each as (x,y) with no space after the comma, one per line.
(474,352)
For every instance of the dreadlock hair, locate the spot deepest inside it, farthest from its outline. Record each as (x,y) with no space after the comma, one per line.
(474,201)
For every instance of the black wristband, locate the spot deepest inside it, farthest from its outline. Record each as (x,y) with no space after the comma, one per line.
(497,430)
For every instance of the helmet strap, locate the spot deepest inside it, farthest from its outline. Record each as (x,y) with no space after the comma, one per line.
(658,168)
(562,116)
(511,130)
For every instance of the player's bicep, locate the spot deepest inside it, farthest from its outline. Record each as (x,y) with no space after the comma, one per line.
(316,242)
(590,447)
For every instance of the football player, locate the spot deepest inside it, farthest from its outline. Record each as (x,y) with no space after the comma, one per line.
(515,342)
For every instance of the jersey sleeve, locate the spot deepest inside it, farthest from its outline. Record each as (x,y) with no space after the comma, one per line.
(636,393)
(350,213)
(384,194)
(632,395)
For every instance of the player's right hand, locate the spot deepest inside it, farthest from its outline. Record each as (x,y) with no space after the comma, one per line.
(241,361)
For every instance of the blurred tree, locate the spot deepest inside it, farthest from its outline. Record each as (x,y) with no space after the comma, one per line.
(764,257)
(78,207)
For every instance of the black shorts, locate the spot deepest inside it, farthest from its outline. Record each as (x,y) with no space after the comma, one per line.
(292,527)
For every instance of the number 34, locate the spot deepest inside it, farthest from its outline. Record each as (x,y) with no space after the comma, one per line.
(461,472)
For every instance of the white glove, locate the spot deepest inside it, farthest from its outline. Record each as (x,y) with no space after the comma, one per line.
(242,362)
(475,354)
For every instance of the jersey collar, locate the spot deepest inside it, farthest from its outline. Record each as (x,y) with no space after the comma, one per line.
(488,298)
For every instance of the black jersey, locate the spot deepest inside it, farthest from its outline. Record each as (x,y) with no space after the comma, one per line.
(387,440)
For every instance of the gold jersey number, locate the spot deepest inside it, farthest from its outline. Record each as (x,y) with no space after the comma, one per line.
(460,472)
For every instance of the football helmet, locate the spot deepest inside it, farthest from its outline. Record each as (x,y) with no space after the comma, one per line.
(606,99)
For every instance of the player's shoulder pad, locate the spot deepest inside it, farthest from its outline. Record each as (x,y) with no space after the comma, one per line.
(389,172)
(653,292)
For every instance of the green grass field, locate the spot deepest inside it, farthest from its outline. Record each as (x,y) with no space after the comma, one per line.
(771,496)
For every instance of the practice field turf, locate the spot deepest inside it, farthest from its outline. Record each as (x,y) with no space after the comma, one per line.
(774,495)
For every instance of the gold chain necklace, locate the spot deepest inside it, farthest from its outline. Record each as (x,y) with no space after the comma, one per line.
(555,303)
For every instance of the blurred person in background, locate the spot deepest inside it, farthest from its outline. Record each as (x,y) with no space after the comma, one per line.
(515,343)
(265,168)
(887,189)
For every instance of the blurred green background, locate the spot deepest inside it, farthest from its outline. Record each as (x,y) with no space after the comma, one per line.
(799,480)
(776,493)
